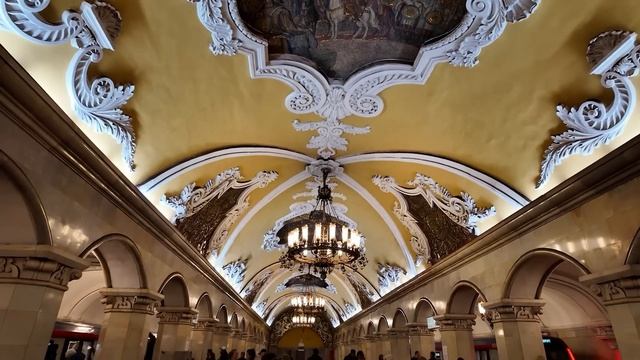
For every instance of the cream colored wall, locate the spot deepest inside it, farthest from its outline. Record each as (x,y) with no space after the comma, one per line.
(596,234)
(79,214)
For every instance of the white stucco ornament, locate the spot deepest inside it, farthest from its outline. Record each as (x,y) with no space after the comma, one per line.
(192,198)
(96,101)
(614,56)
(334,100)
(462,209)
(389,277)
(234,272)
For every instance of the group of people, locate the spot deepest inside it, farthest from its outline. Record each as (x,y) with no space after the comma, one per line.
(353,355)
(235,355)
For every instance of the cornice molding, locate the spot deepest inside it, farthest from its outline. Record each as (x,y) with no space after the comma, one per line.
(98,101)
(28,106)
(332,100)
(461,209)
(614,56)
(613,170)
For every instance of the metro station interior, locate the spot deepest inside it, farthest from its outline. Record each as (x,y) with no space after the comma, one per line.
(409,179)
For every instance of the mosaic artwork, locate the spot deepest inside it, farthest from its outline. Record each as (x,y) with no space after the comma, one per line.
(339,37)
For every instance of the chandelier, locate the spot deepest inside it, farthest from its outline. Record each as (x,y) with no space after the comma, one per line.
(322,242)
(303,319)
(308,302)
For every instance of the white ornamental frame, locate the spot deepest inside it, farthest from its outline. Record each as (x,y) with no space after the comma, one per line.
(462,210)
(97,102)
(354,279)
(333,101)
(389,277)
(192,199)
(614,56)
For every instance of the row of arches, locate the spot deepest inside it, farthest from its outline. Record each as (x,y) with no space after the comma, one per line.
(551,278)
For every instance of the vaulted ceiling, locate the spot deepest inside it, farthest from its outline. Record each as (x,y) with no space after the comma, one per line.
(479,130)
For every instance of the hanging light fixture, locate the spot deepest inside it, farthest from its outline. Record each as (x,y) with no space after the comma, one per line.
(322,242)
(303,319)
(308,302)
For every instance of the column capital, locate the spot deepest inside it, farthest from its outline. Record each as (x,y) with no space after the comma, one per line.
(40,265)
(455,322)
(205,324)
(224,329)
(511,310)
(418,329)
(398,332)
(615,286)
(141,301)
(176,315)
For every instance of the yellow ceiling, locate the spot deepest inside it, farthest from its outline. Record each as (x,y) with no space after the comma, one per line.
(497,117)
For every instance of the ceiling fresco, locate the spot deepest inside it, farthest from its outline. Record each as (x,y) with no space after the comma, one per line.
(340,37)
(464,93)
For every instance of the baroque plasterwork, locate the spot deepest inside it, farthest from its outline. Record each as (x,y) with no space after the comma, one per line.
(332,100)
(360,286)
(614,56)
(192,198)
(234,272)
(461,209)
(97,101)
(389,277)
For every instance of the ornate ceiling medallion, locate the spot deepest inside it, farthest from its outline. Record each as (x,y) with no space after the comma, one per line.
(338,56)
(205,214)
(93,29)
(421,219)
(614,56)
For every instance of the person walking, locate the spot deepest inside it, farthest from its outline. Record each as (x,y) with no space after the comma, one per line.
(315,355)
(360,355)
(210,355)
(351,355)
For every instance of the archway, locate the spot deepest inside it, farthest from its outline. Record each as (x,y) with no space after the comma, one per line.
(424,313)
(176,316)
(222,316)
(23,220)
(571,312)
(90,306)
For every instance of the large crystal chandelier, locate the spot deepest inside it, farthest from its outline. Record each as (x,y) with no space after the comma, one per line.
(322,242)
(303,319)
(308,302)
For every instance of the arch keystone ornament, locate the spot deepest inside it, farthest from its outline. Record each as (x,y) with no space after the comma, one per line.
(286,49)
(614,56)
(91,30)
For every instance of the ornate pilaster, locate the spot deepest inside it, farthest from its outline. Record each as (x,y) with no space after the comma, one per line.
(39,265)
(176,315)
(140,301)
(456,322)
(618,286)
(514,310)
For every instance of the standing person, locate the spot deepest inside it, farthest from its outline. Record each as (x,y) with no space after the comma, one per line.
(351,355)
(251,354)
(432,356)
(315,355)
(380,357)
(223,353)
(233,355)
(262,353)
(360,355)
(242,356)
(210,355)
(416,356)
(52,351)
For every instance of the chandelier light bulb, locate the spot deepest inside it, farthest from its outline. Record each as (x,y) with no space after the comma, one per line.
(332,232)
(293,237)
(305,233)
(345,234)
(318,233)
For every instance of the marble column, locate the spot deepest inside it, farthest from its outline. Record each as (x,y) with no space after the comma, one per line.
(517,328)
(33,279)
(221,334)
(421,339)
(244,341)
(384,345)
(399,339)
(233,341)
(174,333)
(619,290)
(128,317)
(456,335)
(202,337)
(372,351)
